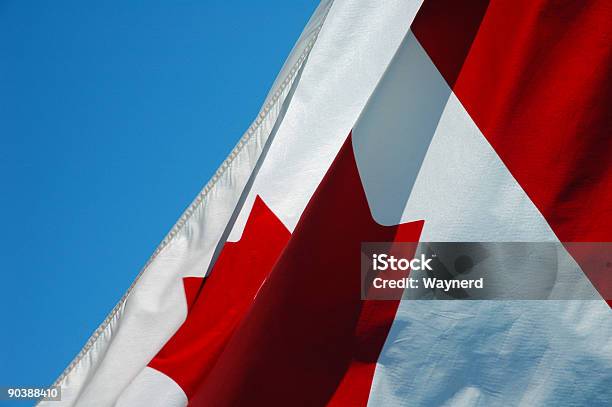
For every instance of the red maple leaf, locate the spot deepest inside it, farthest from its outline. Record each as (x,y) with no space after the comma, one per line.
(217,303)
(308,338)
(280,320)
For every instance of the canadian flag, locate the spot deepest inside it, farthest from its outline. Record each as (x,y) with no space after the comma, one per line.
(401,120)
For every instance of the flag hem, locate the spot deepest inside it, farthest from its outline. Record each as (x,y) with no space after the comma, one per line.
(195,204)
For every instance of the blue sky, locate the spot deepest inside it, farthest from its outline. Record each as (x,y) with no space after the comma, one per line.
(113,117)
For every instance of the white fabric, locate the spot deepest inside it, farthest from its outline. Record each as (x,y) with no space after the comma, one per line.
(152,388)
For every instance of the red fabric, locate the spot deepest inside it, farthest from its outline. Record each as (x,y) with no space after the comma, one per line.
(217,305)
(308,339)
